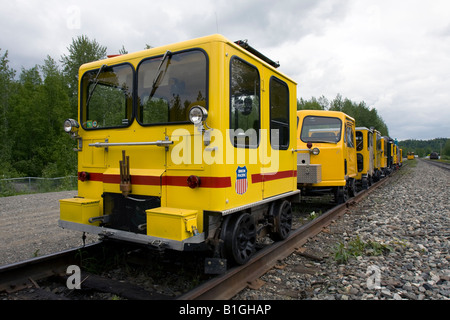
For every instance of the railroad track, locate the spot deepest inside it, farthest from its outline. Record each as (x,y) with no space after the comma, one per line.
(226,286)
(26,274)
(442,165)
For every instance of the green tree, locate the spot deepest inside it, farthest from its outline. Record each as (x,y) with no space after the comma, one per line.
(446,148)
(313,104)
(26,116)
(363,115)
(81,50)
(6,88)
(60,160)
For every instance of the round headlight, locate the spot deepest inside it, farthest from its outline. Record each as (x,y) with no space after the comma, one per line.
(198,114)
(315,151)
(70,125)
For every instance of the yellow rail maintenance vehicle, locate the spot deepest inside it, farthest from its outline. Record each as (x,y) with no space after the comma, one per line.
(326,153)
(390,155)
(385,151)
(395,153)
(410,155)
(377,154)
(365,157)
(186,146)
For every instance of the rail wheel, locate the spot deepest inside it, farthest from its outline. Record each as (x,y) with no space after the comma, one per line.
(341,194)
(365,183)
(239,236)
(351,189)
(282,220)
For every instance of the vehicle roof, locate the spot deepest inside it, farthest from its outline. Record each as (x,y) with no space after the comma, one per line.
(324,113)
(178,46)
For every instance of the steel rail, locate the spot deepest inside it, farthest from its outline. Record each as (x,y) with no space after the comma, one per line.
(442,165)
(225,286)
(20,275)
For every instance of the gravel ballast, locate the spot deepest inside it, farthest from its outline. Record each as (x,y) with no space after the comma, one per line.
(29,227)
(407,223)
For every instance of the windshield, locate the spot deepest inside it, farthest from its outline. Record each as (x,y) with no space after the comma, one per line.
(321,129)
(168,87)
(107,97)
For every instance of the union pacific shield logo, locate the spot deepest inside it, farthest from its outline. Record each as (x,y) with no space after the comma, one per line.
(241,180)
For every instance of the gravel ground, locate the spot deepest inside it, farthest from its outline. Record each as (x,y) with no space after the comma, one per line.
(29,227)
(408,219)
(401,232)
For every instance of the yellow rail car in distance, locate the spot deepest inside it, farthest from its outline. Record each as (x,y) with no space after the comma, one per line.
(185,146)
(326,153)
(377,154)
(385,155)
(410,155)
(365,157)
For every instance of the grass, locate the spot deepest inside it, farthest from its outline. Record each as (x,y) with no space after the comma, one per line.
(354,248)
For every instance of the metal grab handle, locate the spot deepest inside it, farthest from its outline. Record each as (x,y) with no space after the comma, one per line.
(159,143)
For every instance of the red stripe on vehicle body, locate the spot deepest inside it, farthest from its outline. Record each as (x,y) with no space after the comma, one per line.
(260,177)
(206,182)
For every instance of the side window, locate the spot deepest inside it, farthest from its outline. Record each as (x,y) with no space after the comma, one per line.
(244,104)
(350,139)
(359,141)
(279,114)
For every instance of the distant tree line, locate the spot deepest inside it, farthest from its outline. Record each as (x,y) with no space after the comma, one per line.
(33,107)
(423,148)
(363,115)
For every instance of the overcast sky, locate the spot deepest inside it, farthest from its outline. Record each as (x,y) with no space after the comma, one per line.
(392,54)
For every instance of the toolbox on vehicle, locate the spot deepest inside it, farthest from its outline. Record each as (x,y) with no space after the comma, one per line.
(171,223)
(79,210)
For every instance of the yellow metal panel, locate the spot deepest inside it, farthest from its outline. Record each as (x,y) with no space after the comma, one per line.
(79,210)
(171,223)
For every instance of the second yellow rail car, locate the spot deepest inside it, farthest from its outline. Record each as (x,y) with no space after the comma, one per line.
(326,147)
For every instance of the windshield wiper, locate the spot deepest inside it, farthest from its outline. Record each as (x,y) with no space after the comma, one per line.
(95,83)
(160,73)
(322,141)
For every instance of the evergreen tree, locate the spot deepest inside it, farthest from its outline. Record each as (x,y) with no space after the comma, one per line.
(82,50)
(6,88)
(363,115)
